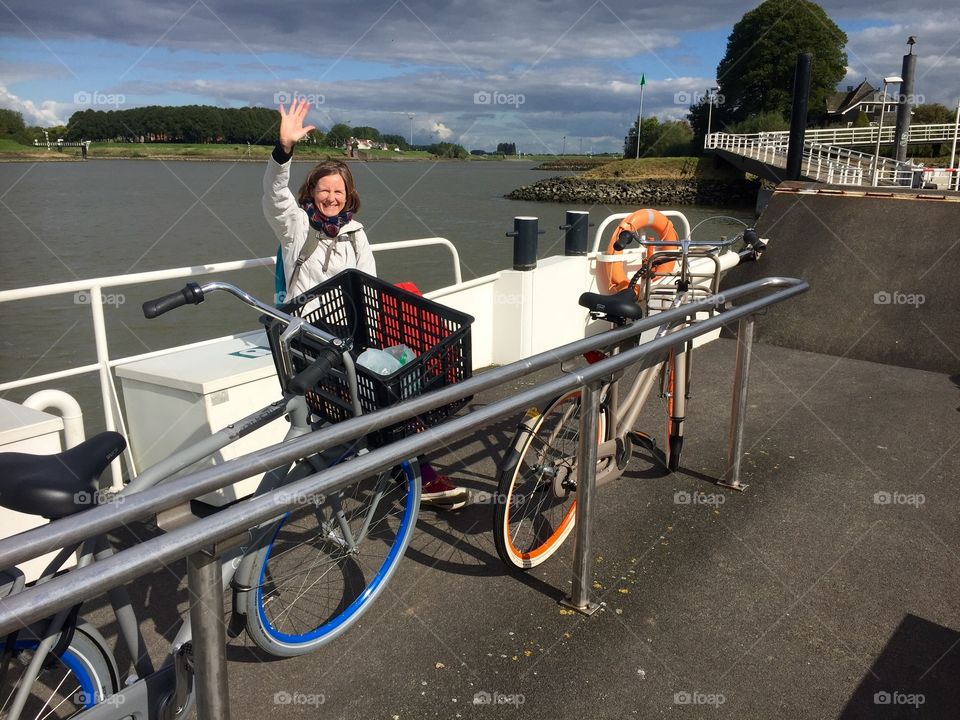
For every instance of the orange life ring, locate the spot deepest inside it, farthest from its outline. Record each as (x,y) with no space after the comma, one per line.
(612,277)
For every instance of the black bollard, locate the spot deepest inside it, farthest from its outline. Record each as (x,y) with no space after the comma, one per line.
(904,102)
(798,116)
(575,237)
(524,243)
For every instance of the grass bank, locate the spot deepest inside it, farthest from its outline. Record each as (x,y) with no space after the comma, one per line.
(661,168)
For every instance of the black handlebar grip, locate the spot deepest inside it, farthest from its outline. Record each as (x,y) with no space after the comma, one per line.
(307,378)
(623,239)
(190,295)
(751,238)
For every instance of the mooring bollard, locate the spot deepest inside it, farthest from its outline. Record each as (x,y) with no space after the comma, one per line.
(524,242)
(575,237)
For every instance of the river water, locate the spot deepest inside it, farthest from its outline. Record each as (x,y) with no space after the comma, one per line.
(71,221)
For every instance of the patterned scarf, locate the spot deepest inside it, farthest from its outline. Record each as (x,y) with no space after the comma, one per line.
(328,226)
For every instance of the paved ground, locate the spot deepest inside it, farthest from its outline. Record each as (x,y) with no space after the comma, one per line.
(821,592)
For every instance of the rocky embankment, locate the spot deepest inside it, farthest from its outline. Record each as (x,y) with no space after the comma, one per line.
(652,192)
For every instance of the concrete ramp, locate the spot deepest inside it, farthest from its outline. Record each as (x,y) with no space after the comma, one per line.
(884,273)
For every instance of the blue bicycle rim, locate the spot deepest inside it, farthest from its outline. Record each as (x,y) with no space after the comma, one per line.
(409,517)
(76,666)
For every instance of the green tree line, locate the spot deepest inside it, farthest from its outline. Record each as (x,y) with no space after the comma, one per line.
(188,124)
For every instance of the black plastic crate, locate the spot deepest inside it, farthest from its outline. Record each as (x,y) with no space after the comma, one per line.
(373,313)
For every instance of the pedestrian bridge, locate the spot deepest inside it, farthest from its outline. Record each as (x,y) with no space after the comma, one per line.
(828,158)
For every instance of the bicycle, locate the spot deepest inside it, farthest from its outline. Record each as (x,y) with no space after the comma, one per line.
(300,580)
(536,487)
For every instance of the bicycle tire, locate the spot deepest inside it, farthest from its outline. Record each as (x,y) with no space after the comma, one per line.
(310,588)
(535,507)
(82,676)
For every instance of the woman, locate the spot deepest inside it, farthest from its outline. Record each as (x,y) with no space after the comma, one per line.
(319,237)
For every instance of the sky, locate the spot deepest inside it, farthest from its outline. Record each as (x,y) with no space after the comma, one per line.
(548,75)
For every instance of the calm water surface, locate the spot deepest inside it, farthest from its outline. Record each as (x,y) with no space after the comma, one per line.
(71,221)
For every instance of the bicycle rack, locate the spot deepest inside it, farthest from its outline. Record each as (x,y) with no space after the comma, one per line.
(199,541)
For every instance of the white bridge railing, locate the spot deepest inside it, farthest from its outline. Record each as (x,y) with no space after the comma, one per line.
(827,163)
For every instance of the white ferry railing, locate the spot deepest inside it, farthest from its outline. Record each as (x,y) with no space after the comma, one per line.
(93,288)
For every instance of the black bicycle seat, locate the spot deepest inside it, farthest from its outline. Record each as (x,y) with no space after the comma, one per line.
(622,304)
(54,486)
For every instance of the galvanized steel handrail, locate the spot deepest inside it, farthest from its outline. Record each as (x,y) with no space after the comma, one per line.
(81,584)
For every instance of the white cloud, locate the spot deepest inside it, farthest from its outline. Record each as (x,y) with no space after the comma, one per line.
(45,114)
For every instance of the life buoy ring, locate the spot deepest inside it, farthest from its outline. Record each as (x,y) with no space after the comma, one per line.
(612,277)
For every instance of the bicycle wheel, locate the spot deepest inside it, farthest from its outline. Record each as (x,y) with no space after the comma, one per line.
(81,677)
(326,563)
(535,507)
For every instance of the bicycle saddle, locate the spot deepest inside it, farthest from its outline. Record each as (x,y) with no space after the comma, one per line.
(622,304)
(55,486)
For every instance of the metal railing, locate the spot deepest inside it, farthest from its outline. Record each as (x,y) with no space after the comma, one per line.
(93,295)
(824,163)
(197,538)
(868,135)
(833,163)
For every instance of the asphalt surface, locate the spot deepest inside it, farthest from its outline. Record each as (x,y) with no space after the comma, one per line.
(822,591)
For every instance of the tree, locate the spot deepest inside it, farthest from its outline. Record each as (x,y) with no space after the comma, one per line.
(338,135)
(11,123)
(932,114)
(506,148)
(668,139)
(756,73)
(365,132)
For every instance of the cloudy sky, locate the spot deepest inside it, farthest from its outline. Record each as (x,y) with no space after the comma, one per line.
(546,74)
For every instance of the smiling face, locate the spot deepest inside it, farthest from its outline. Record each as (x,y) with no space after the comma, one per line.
(330,195)
(330,188)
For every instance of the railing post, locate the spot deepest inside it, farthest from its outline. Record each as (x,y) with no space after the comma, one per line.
(738,407)
(579,598)
(106,381)
(205,588)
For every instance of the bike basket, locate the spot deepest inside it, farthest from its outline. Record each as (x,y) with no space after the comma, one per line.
(370,312)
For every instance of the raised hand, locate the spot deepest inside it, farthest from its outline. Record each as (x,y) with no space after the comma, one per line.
(292,129)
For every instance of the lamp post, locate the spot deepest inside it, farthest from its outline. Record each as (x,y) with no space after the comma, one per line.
(411,116)
(883,107)
(956,129)
(711,94)
(564,150)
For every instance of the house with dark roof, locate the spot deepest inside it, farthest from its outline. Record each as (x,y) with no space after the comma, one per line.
(843,108)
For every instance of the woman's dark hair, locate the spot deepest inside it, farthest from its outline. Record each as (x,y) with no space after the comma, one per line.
(321,170)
